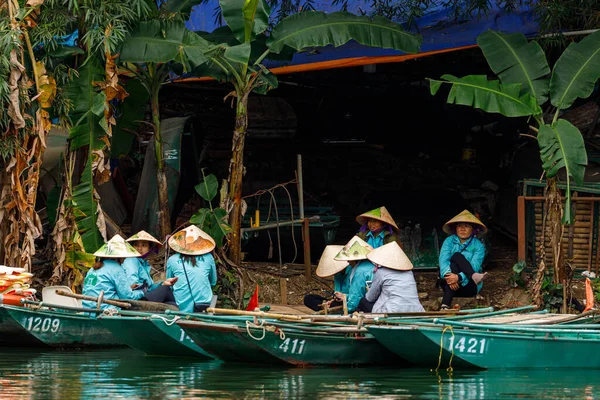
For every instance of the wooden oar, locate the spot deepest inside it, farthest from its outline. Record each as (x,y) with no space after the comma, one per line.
(60,306)
(91,298)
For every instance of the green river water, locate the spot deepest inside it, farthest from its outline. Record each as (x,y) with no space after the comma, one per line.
(128,374)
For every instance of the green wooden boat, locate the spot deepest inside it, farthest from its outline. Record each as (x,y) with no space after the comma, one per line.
(227,342)
(54,329)
(302,345)
(154,335)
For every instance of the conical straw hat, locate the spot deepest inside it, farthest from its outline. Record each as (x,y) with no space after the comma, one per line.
(192,241)
(117,247)
(464,216)
(390,256)
(143,235)
(355,249)
(327,264)
(380,214)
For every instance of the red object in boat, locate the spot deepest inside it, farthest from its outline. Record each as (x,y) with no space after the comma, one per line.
(12,299)
(253,303)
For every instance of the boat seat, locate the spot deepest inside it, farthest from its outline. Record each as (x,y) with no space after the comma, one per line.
(49,296)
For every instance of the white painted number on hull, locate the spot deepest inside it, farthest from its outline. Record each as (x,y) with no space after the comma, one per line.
(296,348)
(471,346)
(184,336)
(38,324)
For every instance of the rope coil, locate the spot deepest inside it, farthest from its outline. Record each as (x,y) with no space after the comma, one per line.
(449,369)
(167,321)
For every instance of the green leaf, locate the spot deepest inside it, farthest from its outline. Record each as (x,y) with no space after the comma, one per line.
(246,18)
(208,188)
(576,72)
(219,229)
(220,35)
(65,51)
(312,29)
(561,145)
(266,81)
(132,112)
(179,6)
(515,60)
(85,210)
(200,218)
(164,41)
(239,53)
(490,96)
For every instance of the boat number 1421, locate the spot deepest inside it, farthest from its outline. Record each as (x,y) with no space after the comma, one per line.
(38,324)
(293,346)
(462,345)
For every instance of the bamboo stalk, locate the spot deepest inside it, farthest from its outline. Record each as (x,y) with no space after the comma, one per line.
(345,304)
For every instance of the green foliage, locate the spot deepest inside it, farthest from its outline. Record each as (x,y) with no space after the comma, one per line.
(246,19)
(515,60)
(131,112)
(552,294)
(491,96)
(517,278)
(211,221)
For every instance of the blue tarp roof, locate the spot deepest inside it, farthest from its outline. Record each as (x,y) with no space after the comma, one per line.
(440,32)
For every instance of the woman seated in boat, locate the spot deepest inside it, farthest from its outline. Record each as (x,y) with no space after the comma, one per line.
(393,289)
(138,270)
(194,267)
(328,266)
(108,274)
(378,228)
(361,271)
(461,257)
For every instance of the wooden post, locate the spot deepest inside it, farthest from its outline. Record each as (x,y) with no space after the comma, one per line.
(283,288)
(522,240)
(591,246)
(345,304)
(305,222)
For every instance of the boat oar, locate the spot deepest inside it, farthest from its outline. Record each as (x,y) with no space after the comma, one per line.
(262,314)
(91,298)
(61,307)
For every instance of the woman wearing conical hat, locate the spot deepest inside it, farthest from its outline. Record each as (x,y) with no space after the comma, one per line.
(393,289)
(138,270)
(378,228)
(328,266)
(194,267)
(108,274)
(461,258)
(355,253)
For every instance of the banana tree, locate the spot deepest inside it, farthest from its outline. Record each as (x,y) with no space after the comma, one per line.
(522,88)
(238,50)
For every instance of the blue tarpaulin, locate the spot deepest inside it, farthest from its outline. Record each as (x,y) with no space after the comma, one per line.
(440,33)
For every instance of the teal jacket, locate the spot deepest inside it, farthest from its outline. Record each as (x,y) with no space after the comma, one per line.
(472,249)
(111,278)
(138,272)
(341,280)
(359,275)
(202,277)
(384,237)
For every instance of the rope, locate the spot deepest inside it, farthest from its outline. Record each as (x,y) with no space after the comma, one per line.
(167,321)
(261,325)
(449,369)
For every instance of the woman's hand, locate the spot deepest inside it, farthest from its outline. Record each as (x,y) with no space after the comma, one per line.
(338,296)
(170,281)
(451,279)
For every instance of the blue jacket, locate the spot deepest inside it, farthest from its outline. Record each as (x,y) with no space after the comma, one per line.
(138,272)
(111,278)
(202,278)
(341,280)
(383,237)
(472,249)
(359,275)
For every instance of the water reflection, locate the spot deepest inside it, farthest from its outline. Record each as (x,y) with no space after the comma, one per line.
(26,374)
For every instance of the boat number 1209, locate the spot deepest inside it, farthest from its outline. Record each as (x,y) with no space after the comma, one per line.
(462,345)
(38,324)
(297,347)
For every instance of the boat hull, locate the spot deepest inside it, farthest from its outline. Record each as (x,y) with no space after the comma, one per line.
(57,329)
(227,341)
(153,336)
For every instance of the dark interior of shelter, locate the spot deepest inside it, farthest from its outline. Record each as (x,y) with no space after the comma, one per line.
(369,136)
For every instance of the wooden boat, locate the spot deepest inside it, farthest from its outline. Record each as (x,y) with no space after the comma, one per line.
(25,327)
(153,334)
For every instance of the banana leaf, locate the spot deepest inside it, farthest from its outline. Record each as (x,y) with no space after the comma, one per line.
(515,60)
(164,41)
(490,96)
(562,146)
(313,29)
(85,209)
(180,6)
(130,113)
(246,18)
(576,72)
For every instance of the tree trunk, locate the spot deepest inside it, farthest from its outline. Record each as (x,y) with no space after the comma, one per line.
(164,216)
(236,173)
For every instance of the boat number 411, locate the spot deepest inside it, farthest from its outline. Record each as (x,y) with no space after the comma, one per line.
(462,345)
(38,324)
(294,347)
